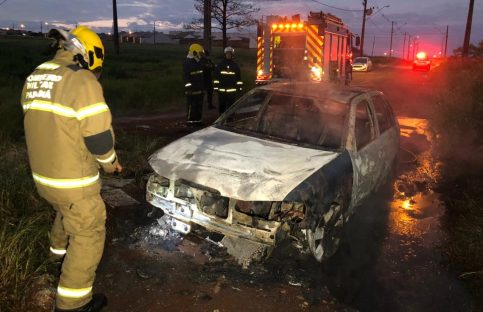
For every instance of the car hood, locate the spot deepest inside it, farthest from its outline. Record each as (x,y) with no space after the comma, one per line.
(239,166)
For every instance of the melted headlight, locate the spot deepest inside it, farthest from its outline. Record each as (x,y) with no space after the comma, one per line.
(254,208)
(183,191)
(158,185)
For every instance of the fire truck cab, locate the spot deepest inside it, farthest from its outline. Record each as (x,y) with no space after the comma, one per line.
(289,48)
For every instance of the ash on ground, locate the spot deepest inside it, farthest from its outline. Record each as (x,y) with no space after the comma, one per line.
(159,234)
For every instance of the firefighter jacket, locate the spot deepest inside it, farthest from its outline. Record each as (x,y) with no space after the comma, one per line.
(208,67)
(193,76)
(67,129)
(227,77)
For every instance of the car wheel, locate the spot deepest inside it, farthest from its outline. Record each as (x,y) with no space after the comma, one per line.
(324,240)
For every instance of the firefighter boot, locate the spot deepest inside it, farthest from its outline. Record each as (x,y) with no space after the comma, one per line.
(96,304)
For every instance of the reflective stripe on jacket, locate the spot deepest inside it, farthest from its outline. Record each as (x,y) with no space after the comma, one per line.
(227,77)
(193,76)
(67,129)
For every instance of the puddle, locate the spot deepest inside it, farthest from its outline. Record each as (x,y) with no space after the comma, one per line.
(393,260)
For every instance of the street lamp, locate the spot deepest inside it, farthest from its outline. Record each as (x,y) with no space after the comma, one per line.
(379,9)
(41,26)
(367,12)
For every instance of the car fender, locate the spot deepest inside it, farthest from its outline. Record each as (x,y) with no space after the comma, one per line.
(321,189)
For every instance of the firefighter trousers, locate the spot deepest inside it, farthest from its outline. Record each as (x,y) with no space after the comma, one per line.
(225,100)
(209,94)
(194,109)
(79,233)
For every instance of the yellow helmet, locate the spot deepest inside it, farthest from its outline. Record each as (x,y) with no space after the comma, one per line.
(196,49)
(89,45)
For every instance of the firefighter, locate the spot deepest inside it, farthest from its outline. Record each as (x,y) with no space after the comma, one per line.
(208,67)
(193,79)
(69,136)
(348,71)
(227,80)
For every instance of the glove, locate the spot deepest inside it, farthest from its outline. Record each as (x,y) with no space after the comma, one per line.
(112,168)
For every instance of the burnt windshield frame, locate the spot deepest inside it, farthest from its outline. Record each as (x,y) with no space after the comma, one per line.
(220,122)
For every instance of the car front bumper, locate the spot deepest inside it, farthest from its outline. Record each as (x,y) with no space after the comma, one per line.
(359,68)
(236,224)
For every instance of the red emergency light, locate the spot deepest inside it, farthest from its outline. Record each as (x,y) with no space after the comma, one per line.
(421,55)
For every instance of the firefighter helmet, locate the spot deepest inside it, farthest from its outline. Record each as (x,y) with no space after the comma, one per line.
(195,50)
(229,50)
(88,44)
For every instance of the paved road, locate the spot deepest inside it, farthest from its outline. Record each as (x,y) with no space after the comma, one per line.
(390,260)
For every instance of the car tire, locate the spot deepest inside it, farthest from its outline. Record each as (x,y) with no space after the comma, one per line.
(324,240)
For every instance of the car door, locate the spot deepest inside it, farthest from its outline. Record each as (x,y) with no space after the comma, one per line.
(388,141)
(365,149)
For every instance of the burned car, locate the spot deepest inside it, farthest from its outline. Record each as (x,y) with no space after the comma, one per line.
(286,158)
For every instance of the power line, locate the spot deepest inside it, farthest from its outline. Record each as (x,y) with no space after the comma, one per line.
(3,2)
(333,7)
(378,27)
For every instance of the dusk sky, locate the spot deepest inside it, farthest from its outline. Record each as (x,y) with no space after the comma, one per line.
(426,19)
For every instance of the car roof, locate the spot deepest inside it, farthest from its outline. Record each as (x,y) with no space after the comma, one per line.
(317,90)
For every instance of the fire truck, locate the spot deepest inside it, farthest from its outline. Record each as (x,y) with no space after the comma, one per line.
(289,48)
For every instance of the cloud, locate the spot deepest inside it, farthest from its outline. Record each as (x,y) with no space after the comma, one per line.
(140,4)
(413,16)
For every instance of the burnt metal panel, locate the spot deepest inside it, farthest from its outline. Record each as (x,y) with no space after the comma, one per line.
(320,190)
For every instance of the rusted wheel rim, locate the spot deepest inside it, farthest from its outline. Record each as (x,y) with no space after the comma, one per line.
(324,240)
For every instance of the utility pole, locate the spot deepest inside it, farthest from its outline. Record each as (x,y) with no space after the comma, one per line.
(154,33)
(373,44)
(207,25)
(446,41)
(392,33)
(404,46)
(442,47)
(364,2)
(469,21)
(41,29)
(115,30)
(414,47)
(409,44)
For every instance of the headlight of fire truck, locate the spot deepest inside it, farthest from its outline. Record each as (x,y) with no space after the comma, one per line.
(260,72)
(316,73)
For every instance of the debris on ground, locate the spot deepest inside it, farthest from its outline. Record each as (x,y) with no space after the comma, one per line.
(245,251)
(113,194)
(110,183)
(41,294)
(118,198)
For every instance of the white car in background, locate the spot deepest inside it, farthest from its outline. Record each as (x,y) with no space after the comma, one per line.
(362,63)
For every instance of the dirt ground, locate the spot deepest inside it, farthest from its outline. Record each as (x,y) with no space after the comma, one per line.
(389,260)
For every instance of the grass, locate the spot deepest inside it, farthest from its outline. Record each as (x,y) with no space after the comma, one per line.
(458,122)
(142,79)
(134,150)
(24,226)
